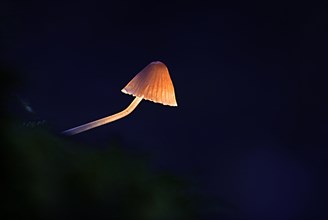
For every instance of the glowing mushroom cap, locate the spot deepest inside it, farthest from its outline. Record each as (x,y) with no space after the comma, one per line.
(153,83)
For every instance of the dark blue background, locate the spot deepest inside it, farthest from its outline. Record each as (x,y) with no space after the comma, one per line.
(251,126)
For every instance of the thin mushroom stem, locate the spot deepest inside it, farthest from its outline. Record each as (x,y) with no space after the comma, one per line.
(105,120)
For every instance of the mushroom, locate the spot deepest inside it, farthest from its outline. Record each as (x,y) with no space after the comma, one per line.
(153,83)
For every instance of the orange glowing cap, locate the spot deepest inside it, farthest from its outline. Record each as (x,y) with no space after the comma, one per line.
(153,83)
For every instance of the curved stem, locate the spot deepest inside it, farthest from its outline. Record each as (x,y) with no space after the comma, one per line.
(105,120)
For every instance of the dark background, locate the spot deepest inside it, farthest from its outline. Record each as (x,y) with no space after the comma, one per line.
(251,124)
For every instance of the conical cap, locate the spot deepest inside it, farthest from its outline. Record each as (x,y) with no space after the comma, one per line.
(153,83)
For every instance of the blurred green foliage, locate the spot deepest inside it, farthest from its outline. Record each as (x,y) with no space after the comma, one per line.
(47,176)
